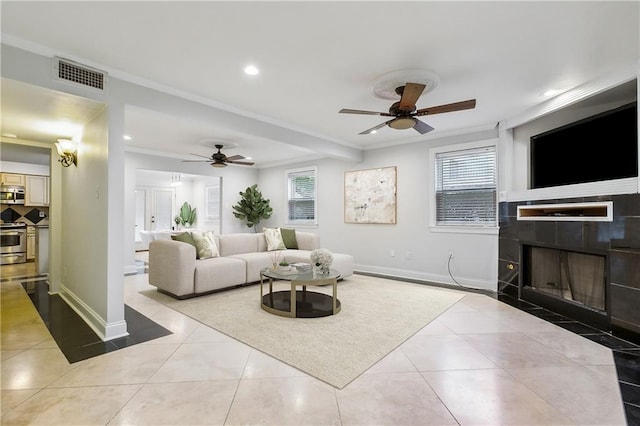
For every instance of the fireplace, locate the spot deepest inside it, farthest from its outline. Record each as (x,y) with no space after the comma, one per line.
(571,277)
(578,257)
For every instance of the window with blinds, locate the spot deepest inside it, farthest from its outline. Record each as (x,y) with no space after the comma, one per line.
(466,187)
(301,196)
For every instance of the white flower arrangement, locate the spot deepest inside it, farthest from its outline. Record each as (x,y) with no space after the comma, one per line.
(321,258)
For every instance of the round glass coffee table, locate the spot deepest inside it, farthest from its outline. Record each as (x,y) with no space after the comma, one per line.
(308,304)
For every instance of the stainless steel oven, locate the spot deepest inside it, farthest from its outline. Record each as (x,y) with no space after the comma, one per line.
(13,243)
(11,194)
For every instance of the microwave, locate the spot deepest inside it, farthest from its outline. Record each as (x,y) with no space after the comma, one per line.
(11,194)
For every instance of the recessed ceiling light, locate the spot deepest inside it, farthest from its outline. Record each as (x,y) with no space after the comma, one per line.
(251,70)
(127,137)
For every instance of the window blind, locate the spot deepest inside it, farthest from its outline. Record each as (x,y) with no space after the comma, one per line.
(302,196)
(466,187)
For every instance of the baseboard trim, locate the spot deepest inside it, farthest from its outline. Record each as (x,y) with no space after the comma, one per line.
(106,331)
(426,278)
(490,293)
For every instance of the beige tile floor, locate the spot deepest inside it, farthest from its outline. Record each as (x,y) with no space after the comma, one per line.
(479,363)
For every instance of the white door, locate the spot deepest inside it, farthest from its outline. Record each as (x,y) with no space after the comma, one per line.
(163,201)
(155,209)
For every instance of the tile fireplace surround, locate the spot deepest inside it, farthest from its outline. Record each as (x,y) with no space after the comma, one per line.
(618,240)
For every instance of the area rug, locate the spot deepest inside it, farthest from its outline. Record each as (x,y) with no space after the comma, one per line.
(377,316)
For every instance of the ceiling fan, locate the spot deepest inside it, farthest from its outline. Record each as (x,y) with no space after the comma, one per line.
(218,159)
(404,111)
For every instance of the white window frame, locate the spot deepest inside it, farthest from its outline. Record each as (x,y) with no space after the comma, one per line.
(459,228)
(302,222)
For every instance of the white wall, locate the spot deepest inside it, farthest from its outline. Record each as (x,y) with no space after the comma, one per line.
(594,97)
(475,255)
(83,267)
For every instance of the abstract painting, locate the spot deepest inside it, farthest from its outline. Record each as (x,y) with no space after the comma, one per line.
(370,196)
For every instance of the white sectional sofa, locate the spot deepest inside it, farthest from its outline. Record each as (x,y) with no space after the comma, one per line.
(174,269)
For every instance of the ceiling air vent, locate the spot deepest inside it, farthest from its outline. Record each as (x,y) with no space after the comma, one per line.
(80,74)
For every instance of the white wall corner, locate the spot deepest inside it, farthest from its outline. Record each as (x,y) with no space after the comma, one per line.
(104,330)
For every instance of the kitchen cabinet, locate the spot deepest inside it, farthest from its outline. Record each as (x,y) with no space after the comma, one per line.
(31,242)
(12,179)
(36,191)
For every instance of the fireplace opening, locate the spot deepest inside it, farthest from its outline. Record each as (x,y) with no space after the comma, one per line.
(573,277)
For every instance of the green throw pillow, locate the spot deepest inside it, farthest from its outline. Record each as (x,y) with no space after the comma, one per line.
(185,237)
(289,238)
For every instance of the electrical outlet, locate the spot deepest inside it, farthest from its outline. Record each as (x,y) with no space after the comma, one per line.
(409,255)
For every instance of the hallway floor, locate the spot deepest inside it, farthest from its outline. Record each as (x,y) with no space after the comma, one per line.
(480,362)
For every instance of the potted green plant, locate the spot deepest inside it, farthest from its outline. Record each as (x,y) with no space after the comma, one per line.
(187,214)
(252,207)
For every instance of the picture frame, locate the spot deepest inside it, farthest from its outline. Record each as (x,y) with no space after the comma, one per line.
(370,196)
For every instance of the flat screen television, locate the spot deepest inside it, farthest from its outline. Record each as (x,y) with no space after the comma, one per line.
(597,148)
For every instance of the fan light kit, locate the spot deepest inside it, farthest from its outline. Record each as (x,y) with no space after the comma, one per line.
(218,159)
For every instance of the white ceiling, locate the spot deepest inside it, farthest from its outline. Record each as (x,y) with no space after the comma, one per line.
(315,58)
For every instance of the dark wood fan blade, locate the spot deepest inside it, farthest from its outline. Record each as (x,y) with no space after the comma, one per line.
(410,95)
(373,129)
(456,106)
(197,161)
(198,155)
(235,157)
(359,111)
(244,163)
(422,127)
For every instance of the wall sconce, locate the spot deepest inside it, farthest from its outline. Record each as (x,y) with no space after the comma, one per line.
(68,152)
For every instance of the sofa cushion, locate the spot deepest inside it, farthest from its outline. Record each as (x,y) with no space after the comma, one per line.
(289,238)
(230,244)
(254,263)
(308,240)
(217,273)
(274,239)
(185,237)
(205,244)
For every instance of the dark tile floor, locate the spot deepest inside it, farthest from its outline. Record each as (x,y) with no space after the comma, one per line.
(74,337)
(626,353)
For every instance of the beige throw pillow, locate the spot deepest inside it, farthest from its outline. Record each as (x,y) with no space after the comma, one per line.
(205,244)
(274,239)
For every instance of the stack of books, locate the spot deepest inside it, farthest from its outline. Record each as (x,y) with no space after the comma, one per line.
(301,266)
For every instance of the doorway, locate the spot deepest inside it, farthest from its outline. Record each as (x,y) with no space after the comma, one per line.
(155,208)
(159,196)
